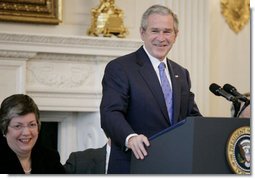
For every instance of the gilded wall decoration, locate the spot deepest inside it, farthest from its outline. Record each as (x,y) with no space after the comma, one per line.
(236,13)
(107,19)
(32,11)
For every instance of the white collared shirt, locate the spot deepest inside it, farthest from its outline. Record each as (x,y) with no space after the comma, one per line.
(155,63)
(108,151)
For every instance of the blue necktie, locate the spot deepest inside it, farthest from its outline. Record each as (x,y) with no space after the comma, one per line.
(166,90)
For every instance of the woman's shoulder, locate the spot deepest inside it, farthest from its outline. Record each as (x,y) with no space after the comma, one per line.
(43,151)
(46,160)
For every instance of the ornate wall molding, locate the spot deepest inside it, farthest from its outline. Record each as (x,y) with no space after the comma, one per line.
(16,54)
(94,45)
(63,73)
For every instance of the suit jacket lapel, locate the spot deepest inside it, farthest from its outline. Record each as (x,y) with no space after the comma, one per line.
(148,73)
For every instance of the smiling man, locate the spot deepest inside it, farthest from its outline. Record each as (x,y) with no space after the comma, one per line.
(145,92)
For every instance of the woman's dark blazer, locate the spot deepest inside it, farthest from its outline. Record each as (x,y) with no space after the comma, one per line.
(44,160)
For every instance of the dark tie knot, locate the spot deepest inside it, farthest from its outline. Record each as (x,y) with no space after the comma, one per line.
(162,66)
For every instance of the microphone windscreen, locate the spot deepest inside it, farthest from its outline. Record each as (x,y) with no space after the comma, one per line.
(228,87)
(214,89)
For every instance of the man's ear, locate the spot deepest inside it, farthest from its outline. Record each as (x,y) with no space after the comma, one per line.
(142,31)
(176,33)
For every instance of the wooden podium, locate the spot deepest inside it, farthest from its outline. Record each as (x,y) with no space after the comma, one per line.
(196,145)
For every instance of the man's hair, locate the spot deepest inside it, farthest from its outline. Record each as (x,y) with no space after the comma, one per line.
(162,10)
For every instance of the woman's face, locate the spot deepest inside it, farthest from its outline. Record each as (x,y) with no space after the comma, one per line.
(22,134)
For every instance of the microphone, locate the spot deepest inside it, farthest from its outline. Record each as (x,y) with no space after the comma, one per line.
(218,91)
(232,90)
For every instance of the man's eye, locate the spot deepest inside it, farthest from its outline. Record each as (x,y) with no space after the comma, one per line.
(168,32)
(154,31)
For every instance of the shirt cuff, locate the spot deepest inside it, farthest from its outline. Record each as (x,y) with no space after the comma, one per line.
(128,137)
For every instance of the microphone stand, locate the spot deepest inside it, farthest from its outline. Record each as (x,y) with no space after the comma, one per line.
(244,106)
(237,106)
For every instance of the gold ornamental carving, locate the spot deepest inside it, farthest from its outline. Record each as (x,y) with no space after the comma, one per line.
(236,13)
(31,11)
(107,20)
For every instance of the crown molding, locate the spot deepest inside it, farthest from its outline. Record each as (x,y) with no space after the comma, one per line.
(68,44)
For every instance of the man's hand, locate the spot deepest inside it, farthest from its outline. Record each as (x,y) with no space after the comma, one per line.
(137,145)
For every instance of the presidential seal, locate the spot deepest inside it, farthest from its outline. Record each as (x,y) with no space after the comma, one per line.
(239,150)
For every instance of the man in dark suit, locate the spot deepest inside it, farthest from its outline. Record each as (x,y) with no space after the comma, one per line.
(89,161)
(133,105)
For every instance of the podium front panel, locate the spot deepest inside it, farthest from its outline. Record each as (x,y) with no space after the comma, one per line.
(196,146)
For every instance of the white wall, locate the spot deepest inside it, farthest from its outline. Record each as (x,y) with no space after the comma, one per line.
(229,58)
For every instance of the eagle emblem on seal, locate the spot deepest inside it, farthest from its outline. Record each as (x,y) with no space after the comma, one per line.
(239,150)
